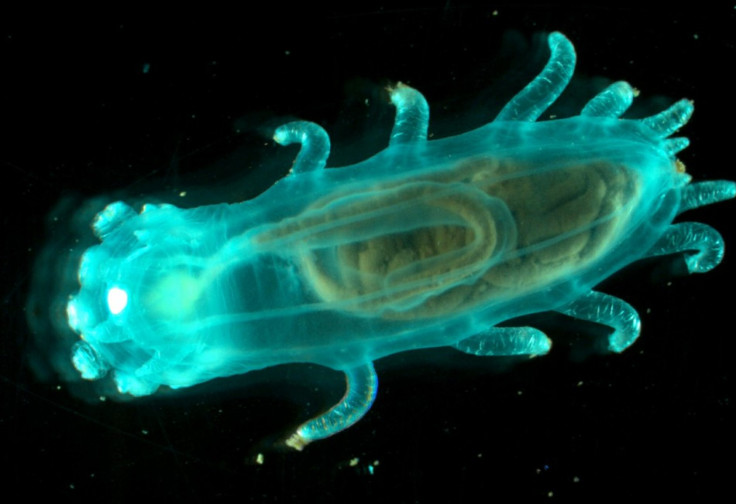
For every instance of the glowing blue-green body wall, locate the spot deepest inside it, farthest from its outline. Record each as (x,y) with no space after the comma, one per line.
(426,244)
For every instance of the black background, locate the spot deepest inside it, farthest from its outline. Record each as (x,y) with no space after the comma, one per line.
(81,118)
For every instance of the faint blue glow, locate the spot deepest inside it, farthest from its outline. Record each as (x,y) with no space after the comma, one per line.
(425,244)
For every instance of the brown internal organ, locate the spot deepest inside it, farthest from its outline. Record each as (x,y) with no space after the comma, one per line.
(542,225)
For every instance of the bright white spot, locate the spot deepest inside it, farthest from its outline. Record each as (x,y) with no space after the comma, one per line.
(259,459)
(117,300)
(71,315)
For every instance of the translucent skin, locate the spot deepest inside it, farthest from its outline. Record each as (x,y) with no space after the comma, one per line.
(425,244)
